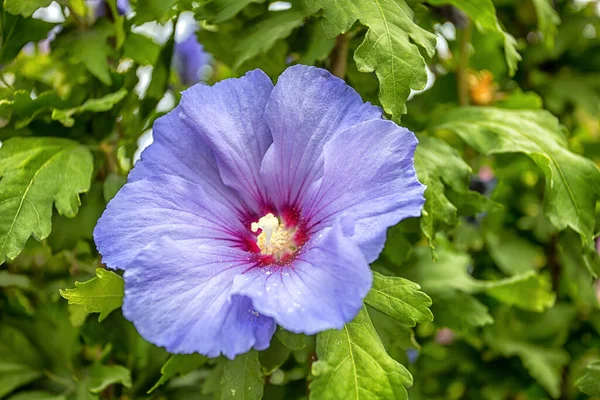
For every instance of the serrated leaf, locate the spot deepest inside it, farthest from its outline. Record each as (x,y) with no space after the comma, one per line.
(483,14)
(37,173)
(25,7)
(102,294)
(548,19)
(100,104)
(20,362)
(217,11)
(102,376)
(572,181)
(179,364)
(353,364)
(390,48)
(440,166)
(264,33)
(589,382)
(400,299)
(242,378)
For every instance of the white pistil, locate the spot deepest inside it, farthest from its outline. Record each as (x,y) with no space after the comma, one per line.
(269,224)
(274,238)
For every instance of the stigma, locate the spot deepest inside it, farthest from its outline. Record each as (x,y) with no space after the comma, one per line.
(274,238)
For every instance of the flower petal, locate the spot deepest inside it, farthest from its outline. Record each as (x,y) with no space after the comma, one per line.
(178,297)
(179,151)
(163,206)
(322,289)
(229,116)
(369,175)
(307,108)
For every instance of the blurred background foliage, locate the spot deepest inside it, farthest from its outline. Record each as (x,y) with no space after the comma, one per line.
(504,97)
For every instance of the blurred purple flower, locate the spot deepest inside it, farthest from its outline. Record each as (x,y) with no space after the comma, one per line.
(101,7)
(258,205)
(189,58)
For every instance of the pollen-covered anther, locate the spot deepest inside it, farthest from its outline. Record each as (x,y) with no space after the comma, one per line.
(274,238)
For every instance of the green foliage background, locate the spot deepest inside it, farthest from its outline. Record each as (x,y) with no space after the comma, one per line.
(491,294)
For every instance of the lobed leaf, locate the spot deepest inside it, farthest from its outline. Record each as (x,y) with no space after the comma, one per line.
(391,46)
(572,181)
(37,173)
(102,294)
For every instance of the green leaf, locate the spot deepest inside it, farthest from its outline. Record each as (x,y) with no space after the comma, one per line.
(589,382)
(25,7)
(8,279)
(20,363)
(242,378)
(548,19)
(25,107)
(153,10)
(67,232)
(141,49)
(440,166)
(318,45)
(179,364)
(217,11)
(459,311)
(18,31)
(102,376)
(353,364)
(104,103)
(390,48)
(483,14)
(89,47)
(264,33)
(400,299)
(572,181)
(512,253)
(102,294)
(545,364)
(37,173)
(528,291)
(291,340)
(112,184)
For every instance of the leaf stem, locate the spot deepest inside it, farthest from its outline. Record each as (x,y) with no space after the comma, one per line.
(463,65)
(339,56)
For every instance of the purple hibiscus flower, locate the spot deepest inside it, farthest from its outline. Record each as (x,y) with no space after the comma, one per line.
(258,205)
(101,8)
(189,58)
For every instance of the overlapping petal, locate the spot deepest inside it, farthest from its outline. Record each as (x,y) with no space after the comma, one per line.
(178,297)
(307,108)
(369,175)
(229,117)
(165,206)
(180,151)
(321,289)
